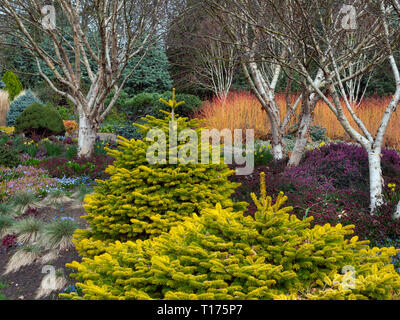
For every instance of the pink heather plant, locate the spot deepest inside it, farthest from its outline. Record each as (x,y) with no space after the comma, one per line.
(28,179)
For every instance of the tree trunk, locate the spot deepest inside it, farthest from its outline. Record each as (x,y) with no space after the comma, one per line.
(396,215)
(307,116)
(375,180)
(86,136)
(277,146)
(301,140)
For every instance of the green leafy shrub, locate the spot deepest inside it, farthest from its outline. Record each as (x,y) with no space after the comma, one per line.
(121,100)
(8,157)
(224,255)
(127,130)
(317,133)
(107,128)
(151,74)
(65,113)
(149,104)
(141,105)
(39,120)
(262,154)
(53,149)
(192,103)
(12,84)
(58,234)
(19,105)
(141,200)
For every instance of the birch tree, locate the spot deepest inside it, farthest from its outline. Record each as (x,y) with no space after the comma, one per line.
(216,65)
(377,34)
(196,46)
(101,38)
(260,56)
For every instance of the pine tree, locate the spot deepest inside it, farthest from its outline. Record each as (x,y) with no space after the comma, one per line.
(13,85)
(151,75)
(19,105)
(224,255)
(142,200)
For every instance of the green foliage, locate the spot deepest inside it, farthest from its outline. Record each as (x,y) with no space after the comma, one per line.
(141,105)
(6,222)
(28,230)
(79,168)
(225,255)
(192,103)
(8,157)
(13,85)
(151,75)
(141,200)
(262,154)
(58,234)
(19,105)
(31,148)
(127,130)
(53,149)
(39,120)
(6,209)
(317,133)
(2,286)
(23,199)
(107,128)
(121,100)
(149,104)
(65,113)
(71,152)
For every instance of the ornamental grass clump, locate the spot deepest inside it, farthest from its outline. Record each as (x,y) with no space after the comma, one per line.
(221,254)
(142,200)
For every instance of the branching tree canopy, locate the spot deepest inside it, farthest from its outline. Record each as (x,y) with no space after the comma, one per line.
(331,45)
(346,42)
(200,59)
(98,40)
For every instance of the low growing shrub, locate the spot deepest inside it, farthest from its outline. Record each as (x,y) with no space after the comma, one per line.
(8,157)
(19,105)
(39,120)
(12,84)
(93,167)
(331,185)
(141,200)
(224,255)
(28,179)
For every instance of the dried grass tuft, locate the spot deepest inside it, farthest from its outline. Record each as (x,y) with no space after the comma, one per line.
(4,107)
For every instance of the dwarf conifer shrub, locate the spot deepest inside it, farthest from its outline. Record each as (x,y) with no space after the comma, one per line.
(39,120)
(8,157)
(12,84)
(19,105)
(142,200)
(221,254)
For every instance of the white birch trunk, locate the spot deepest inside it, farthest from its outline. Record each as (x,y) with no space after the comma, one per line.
(396,214)
(375,179)
(86,137)
(301,140)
